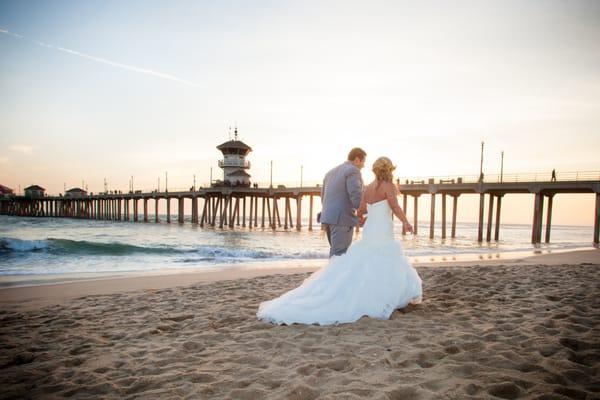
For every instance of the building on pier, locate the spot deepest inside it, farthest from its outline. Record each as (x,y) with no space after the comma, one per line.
(75,192)
(234,163)
(5,191)
(34,191)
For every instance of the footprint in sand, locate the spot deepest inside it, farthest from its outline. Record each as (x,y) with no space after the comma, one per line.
(302,392)
(192,346)
(505,390)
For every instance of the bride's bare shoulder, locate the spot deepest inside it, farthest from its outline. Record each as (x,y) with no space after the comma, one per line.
(387,186)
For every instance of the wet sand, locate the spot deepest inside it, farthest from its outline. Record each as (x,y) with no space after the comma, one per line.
(527,329)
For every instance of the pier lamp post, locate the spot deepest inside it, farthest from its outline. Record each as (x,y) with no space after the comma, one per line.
(194,187)
(131,183)
(481,164)
(501,165)
(166,182)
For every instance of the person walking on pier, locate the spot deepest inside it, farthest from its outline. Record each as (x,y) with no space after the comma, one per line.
(553,175)
(340,195)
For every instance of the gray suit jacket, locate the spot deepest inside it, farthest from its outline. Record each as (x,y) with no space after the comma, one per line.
(340,194)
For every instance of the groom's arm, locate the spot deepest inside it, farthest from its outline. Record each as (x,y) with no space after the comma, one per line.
(354,186)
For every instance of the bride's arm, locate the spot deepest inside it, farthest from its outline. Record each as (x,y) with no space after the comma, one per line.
(362,208)
(391,196)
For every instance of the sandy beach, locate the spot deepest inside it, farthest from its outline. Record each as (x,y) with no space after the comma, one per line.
(528,328)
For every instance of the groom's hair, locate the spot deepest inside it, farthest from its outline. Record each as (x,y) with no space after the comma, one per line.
(356,152)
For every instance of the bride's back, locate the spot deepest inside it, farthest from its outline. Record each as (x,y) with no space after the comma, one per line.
(377,191)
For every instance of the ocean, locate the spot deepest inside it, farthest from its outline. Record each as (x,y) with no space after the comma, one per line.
(61,246)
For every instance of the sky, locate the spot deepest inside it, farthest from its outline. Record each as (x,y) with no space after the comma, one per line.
(101,90)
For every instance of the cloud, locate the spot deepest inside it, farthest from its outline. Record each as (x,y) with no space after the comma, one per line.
(3,160)
(144,71)
(22,148)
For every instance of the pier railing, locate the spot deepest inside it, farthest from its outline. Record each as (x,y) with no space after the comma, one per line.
(570,176)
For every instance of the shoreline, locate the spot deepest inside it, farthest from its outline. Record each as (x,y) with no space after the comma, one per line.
(28,280)
(49,293)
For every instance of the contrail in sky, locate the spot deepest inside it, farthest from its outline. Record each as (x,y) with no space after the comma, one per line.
(104,61)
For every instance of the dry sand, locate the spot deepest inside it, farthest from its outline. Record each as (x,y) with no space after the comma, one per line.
(483,331)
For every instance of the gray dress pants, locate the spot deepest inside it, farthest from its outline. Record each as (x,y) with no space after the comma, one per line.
(339,237)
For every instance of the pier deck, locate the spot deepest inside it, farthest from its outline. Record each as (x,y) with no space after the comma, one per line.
(239,206)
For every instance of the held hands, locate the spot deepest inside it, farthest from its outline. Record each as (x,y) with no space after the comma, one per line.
(361,220)
(408,227)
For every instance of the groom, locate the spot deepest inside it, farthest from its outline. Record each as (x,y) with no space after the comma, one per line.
(340,195)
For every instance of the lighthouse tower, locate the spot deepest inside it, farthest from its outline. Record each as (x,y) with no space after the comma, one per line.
(234,162)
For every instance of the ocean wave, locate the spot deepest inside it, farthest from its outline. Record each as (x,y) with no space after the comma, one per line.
(9,245)
(66,247)
(201,253)
(234,255)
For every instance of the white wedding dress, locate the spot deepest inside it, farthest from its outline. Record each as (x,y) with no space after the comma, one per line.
(373,278)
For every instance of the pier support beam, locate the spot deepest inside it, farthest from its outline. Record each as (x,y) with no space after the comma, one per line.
(432,217)
(488,236)
(298,212)
(549,218)
(256,212)
(135,210)
(536,229)
(498,208)
(250,211)
(262,215)
(204,208)
(480,227)
(168,210)
(404,203)
(215,208)
(244,212)
(276,217)
(194,210)
(145,210)
(156,210)
(235,213)
(180,201)
(443,215)
(269,211)
(454,208)
(285,212)
(310,213)
(415,214)
(597,220)
(224,211)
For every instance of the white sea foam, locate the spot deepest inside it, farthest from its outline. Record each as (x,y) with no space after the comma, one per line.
(62,246)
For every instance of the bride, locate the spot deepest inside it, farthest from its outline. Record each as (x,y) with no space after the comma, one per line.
(372,278)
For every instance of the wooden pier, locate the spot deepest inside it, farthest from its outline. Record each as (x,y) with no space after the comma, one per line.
(230,207)
(215,207)
(495,191)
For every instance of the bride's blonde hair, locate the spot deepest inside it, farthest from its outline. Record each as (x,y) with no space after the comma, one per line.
(384,169)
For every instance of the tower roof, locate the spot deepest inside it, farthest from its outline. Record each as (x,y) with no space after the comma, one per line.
(234,144)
